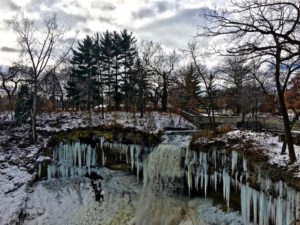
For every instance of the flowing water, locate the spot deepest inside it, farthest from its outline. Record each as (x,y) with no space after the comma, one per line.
(172,185)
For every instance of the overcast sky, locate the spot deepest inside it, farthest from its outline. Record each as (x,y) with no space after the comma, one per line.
(170,22)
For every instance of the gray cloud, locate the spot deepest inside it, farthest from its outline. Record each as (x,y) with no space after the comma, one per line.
(143,13)
(175,31)
(106,19)
(155,8)
(8,49)
(70,20)
(103,5)
(86,30)
(8,4)
(162,6)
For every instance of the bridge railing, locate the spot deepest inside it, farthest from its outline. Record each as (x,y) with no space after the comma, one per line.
(271,123)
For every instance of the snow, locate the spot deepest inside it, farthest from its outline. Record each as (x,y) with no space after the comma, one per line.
(152,121)
(268,145)
(72,201)
(13,186)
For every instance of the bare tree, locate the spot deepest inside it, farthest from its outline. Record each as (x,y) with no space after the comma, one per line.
(267,30)
(206,94)
(44,49)
(161,65)
(235,73)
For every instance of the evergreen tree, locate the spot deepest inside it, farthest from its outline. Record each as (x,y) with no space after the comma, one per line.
(82,87)
(106,58)
(127,57)
(116,83)
(24,104)
(100,61)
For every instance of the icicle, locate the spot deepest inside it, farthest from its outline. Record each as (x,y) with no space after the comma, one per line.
(189,176)
(226,188)
(254,203)
(216,180)
(245,169)
(145,172)
(49,172)
(234,159)
(279,211)
(103,157)
(40,169)
(246,197)
(132,156)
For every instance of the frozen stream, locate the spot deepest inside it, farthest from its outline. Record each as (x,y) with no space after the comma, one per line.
(172,185)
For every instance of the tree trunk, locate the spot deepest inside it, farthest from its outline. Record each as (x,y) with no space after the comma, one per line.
(33,113)
(287,128)
(142,112)
(116,94)
(164,100)
(286,121)
(10,106)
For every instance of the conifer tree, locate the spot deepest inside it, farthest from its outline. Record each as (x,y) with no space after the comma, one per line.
(100,70)
(116,83)
(127,56)
(106,58)
(82,87)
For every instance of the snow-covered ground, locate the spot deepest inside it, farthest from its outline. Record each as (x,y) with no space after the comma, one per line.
(17,170)
(267,145)
(151,122)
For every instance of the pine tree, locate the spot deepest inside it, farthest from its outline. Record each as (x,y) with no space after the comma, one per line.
(82,87)
(127,57)
(100,70)
(116,66)
(106,58)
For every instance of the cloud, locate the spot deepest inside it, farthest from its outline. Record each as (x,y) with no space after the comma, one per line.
(35,5)
(153,9)
(70,20)
(175,31)
(143,13)
(107,6)
(162,6)
(8,49)
(8,4)
(106,19)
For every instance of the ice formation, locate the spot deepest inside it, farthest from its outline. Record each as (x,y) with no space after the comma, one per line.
(214,170)
(71,159)
(275,203)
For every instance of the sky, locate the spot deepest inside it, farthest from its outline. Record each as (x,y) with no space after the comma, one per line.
(172,23)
